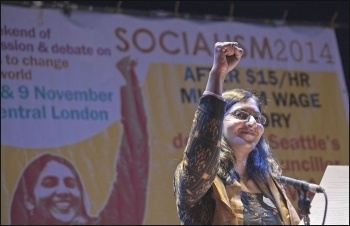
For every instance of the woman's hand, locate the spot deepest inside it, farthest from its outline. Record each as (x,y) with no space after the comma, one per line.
(226,57)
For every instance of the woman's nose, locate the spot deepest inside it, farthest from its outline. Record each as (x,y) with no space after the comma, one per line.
(250,121)
(62,188)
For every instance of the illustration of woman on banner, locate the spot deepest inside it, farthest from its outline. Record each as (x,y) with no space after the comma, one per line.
(50,190)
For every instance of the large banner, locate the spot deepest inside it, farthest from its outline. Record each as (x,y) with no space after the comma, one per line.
(96,108)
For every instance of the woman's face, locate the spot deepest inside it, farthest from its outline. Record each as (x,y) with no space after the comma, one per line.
(56,193)
(241,131)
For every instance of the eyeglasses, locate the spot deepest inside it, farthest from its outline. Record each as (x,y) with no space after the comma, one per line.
(242,115)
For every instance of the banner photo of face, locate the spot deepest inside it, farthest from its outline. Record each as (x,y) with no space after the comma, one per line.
(50,190)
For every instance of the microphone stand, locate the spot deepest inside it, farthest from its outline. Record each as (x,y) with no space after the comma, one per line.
(304,206)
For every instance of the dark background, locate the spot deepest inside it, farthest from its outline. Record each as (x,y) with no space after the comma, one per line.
(323,13)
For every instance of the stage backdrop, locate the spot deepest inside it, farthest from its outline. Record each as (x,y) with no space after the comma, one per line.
(115,95)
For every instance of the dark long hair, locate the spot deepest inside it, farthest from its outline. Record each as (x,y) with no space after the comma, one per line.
(260,161)
(25,190)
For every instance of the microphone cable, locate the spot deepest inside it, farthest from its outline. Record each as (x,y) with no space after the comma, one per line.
(326,207)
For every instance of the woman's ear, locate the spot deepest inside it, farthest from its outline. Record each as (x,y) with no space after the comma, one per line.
(30,206)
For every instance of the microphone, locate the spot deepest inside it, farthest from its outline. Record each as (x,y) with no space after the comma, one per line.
(301,185)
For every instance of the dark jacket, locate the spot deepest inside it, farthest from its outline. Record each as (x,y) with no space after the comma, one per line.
(201,196)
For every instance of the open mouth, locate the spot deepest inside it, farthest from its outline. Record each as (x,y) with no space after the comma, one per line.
(61,206)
